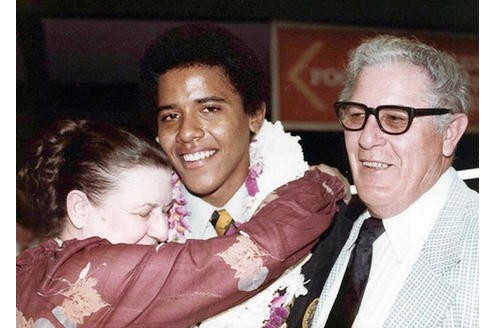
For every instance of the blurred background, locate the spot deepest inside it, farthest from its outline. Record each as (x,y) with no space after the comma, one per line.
(81,59)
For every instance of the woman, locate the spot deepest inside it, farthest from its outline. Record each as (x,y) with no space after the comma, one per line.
(100,196)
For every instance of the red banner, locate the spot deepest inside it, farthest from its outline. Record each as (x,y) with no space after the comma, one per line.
(309,63)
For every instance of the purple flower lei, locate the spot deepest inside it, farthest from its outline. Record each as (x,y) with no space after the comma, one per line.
(278,312)
(251,183)
(177,223)
(255,170)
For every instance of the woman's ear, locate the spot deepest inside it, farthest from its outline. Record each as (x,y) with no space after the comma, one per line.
(256,119)
(453,133)
(78,208)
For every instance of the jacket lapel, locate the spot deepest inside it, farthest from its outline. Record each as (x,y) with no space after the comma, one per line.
(427,293)
(324,256)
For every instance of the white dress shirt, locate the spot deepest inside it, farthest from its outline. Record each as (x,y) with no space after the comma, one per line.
(394,254)
(201,213)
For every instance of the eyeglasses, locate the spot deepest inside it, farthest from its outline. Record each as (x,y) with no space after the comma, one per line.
(392,119)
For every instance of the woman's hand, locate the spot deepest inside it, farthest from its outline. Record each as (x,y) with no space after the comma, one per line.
(335,172)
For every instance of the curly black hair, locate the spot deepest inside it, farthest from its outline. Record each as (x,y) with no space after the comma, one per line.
(204,44)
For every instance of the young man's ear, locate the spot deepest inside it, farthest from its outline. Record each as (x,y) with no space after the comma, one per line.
(78,208)
(256,119)
(453,133)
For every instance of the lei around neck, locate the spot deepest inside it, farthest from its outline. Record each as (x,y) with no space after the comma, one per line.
(276,157)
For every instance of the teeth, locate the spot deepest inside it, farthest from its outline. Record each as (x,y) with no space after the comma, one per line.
(376,165)
(197,156)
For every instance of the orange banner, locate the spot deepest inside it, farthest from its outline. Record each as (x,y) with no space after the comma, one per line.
(309,61)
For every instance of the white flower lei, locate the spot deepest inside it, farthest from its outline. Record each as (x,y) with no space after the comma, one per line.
(279,156)
(276,158)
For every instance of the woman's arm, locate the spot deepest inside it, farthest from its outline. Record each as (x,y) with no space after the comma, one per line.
(177,285)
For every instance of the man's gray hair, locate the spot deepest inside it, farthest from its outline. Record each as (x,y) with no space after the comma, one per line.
(450,83)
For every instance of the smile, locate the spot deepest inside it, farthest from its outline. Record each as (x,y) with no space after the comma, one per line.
(376,165)
(198,156)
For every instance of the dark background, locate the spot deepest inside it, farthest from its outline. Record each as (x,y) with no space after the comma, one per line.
(63,74)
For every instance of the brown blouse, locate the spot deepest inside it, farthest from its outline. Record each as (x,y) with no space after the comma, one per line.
(92,283)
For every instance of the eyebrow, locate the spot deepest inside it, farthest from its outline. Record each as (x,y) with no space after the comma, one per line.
(199,101)
(211,98)
(153,204)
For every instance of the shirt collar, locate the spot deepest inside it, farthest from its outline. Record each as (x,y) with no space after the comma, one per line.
(408,230)
(200,210)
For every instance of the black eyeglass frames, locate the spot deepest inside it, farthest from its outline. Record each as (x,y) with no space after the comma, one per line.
(392,119)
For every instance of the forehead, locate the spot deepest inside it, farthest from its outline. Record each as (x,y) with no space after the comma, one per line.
(198,75)
(142,184)
(397,83)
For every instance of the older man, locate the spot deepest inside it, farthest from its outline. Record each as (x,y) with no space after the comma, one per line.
(411,259)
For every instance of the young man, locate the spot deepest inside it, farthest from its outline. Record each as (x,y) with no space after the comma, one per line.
(209,93)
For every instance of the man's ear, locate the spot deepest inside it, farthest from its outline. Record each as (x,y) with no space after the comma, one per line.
(78,208)
(453,133)
(256,119)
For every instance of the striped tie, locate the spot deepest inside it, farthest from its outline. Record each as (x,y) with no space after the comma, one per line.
(223,222)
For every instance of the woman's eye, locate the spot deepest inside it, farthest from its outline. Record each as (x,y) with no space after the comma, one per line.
(145,215)
(166,209)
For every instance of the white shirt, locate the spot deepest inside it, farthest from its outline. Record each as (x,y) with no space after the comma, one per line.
(394,254)
(201,211)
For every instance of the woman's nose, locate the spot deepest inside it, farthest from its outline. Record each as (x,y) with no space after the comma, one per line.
(158,228)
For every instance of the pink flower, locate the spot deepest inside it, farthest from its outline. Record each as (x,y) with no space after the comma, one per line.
(177,215)
(251,183)
(278,312)
(181,211)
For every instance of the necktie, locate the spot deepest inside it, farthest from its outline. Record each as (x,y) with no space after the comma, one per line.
(222,222)
(346,305)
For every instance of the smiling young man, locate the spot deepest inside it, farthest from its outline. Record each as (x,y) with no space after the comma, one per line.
(206,133)
(209,93)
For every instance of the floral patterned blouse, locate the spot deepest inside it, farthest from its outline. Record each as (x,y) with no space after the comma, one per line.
(92,283)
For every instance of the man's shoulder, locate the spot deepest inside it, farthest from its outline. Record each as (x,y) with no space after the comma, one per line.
(324,255)
(338,232)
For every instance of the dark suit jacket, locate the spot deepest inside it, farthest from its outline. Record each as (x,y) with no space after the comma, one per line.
(325,252)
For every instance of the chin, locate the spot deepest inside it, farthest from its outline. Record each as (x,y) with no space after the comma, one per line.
(201,186)
(376,193)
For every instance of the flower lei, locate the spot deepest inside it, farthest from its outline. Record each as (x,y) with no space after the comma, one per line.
(177,219)
(276,158)
(278,310)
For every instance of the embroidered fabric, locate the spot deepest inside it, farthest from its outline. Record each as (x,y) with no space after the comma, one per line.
(168,294)
(259,311)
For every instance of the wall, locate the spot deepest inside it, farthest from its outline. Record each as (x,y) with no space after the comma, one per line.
(80,59)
